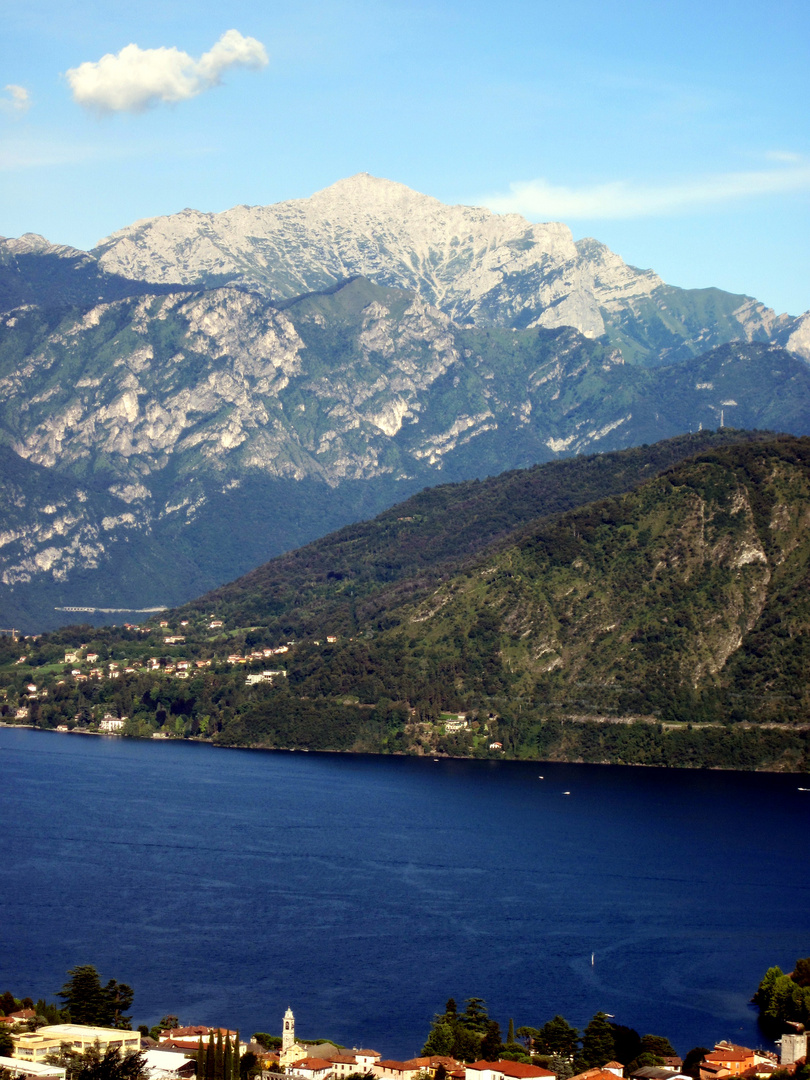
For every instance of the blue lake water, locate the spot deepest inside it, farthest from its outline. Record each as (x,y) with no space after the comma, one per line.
(225,885)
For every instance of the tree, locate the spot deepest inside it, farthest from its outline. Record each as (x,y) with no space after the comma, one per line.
(492,1043)
(563,1067)
(219,1060)
(598,1046)
(269,1042)
(627,1044)
(691,1063)
(6,1044)
(475,1016)
(558,1038)
(49,1014)
(440,1040)
(249,1065)
(658,1045)
(93,1065)
(88,1002)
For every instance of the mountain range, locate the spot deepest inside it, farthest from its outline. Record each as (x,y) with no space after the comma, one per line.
(203,391)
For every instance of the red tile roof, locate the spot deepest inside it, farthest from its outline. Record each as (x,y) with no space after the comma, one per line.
(516,1069)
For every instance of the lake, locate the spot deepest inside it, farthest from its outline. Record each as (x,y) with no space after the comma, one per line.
(224,885)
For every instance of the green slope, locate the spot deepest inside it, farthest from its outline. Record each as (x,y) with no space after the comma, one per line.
(332,584)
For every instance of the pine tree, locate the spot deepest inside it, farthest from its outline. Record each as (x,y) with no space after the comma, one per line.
(598,1043)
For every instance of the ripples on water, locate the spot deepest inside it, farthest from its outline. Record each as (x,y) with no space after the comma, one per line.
(224,885)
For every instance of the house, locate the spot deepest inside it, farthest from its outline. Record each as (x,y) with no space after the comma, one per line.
(658,1072)
(21,1015)
(112,723)
(733,1059)
(596,1074)
(344,1064)
(509,1070)
(264,676)
(29,1068)
(450,1065)
(165,1064)
(496,746)
(37,1045)
(199,1031)
(311,1068)
(399,1070)
(365,1059)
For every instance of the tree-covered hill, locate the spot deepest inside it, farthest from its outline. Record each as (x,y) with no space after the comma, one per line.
(332,585)
(665,622)
(682,602)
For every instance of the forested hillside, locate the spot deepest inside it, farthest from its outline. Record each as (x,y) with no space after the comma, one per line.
(331,585)
(665,625)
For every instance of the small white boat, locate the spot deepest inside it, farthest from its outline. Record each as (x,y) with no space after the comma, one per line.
(566,793)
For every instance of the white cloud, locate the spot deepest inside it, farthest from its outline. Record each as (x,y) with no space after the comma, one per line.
(18,99)
(625,199)
(135,78)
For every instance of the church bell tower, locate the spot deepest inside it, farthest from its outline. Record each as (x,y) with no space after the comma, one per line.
(288,1031)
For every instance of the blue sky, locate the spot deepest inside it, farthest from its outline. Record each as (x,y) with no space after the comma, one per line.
(677,133)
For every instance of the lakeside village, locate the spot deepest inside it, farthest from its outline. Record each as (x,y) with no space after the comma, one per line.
(38,687)
(218,1054)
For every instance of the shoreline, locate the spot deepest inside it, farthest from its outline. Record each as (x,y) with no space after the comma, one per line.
(438,757)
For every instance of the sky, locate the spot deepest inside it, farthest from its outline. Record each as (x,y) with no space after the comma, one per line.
(678,133)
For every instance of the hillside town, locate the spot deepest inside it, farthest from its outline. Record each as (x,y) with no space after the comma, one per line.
(177,1052)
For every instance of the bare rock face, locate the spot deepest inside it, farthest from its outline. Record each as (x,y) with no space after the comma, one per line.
(469,262)
(478,267)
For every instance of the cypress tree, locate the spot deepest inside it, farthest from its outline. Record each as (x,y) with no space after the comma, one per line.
(219,1055)
(200,1059)
(210,1059)
(236,1070)
(226,1058)
(510,1035)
